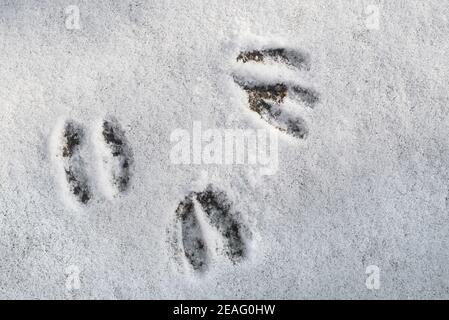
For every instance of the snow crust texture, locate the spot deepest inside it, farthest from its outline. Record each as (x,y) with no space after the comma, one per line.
(352,201)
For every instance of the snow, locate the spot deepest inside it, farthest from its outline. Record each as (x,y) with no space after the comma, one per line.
(369,186)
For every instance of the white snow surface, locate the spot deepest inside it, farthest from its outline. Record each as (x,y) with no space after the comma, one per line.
(369,186)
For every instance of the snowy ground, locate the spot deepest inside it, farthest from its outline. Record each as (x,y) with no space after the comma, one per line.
(369,185)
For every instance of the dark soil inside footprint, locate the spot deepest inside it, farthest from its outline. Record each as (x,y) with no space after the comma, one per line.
(297,127)
(259,98)
(220,214)
(73,165)
(72,136)
(254,55)
(114,137)
(78,188)
(290,57)
(308,96)
(193,242)
(258,94)
(267,100)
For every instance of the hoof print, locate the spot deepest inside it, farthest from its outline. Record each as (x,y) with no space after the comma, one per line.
(193,242)
(119,158)
(74,167)
(217,212)
(267,99)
